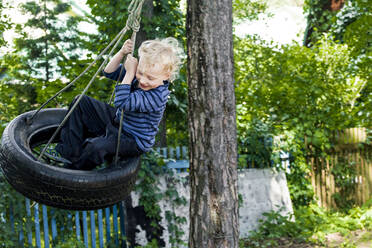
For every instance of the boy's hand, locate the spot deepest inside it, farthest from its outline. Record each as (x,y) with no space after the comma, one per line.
(130,65)
(127,47)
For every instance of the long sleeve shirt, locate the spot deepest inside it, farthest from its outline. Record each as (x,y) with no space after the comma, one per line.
(143,110)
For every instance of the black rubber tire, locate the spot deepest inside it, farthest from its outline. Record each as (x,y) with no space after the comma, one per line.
(53,185)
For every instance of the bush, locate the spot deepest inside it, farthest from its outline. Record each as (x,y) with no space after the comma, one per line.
(311,225)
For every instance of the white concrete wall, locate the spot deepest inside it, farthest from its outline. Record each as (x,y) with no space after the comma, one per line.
(262,190)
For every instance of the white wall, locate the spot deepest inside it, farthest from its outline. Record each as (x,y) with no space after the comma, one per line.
(262,190)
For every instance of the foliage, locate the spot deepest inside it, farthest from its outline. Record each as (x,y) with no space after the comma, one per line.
(322,19)
(309,224)
(174,221)
(10,204)
(110,17)
(298,171)
(255,142)
(351,12)
(71,242)
(152,167)
(4,22)
(13,204)
(248,10)
(52,44)
(344,173)
(319,19)
(176,112)
(350,26)
(32,69)
(357,36)
(152,244)
(299,93)
(294,87)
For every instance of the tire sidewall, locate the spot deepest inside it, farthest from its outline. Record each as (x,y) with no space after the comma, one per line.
(51,184)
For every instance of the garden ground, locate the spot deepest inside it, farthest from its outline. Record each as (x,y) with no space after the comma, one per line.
(358,238)
(354,239)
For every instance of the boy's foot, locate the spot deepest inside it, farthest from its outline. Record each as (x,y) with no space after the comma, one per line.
(69,166)
(57,158)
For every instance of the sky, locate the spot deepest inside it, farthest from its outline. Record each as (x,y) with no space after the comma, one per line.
(285,24)
(78,6)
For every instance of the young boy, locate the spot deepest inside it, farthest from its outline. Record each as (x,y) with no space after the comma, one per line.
(89,137)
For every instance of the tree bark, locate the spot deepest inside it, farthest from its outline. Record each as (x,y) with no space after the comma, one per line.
(148,12)
(161,139)
(212,124)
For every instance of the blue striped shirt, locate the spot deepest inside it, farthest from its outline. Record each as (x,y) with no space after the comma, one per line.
(143,110)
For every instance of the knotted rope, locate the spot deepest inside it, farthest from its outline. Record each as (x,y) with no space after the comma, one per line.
(133,22)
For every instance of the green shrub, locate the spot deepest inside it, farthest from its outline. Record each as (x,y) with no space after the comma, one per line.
(311,224)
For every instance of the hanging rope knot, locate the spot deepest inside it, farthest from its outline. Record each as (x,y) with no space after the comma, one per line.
(134,18)
(134,24)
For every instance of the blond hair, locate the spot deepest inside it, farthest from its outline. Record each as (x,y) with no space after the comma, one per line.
(166,52)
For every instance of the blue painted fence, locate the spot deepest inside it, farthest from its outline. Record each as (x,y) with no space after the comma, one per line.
(43,235)
(94,228)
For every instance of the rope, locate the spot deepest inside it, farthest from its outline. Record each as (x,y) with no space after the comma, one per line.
(135,8)
(123,31)
(133,23)
(133,38)
(78,100)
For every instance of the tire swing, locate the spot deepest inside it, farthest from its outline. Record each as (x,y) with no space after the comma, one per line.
(57,186)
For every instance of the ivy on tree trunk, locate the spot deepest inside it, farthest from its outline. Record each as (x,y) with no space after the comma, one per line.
(319,18)
(212,124)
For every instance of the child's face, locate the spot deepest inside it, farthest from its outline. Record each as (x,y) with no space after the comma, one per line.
(150,77)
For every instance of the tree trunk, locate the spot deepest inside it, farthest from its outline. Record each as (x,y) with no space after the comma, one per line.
(46,46)
(148,12)
(328,5)
(212,124)
(161,138)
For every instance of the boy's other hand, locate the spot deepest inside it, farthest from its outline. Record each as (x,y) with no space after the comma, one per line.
(131,64)
(127,47)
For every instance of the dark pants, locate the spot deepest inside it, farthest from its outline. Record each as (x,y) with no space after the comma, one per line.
(89,136)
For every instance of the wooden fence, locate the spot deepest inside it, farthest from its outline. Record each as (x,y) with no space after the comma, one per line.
(345,175)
